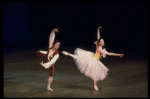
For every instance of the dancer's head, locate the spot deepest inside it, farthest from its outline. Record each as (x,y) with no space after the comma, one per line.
(99,42)
(56,44)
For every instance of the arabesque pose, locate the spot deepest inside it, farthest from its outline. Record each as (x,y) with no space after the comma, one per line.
(89,63)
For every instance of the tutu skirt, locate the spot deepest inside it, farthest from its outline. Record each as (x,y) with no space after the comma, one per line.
(89,66)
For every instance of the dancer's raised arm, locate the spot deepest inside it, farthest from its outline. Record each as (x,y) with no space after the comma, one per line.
(98,36)
(98,32)
(52,37)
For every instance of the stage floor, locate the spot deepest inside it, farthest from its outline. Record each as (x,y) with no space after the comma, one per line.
(25,78)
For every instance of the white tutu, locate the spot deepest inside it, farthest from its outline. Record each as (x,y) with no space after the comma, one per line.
(89,66)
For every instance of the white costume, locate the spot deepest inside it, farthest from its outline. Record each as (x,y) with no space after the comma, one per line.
(88,63)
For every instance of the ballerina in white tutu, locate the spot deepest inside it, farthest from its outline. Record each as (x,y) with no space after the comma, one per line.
(89,63)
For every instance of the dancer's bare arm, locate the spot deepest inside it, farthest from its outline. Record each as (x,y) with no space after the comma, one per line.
(98,35)
(114,54)
(111,54)
(98,32)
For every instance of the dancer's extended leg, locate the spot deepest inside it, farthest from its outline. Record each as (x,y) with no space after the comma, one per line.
(66,53)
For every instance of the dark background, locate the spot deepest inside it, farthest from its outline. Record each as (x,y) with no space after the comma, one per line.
(27,25)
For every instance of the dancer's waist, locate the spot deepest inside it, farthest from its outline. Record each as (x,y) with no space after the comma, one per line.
(96,56)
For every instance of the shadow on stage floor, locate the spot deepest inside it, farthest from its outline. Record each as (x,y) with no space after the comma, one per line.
(24,77)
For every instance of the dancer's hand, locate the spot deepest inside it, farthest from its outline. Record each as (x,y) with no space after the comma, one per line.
(56,30)
(42,64)
(48,59)
(121,55)
(100,27)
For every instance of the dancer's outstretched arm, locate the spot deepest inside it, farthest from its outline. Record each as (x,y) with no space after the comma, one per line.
(66,53)
(111,54)
(114,54)
(49,64)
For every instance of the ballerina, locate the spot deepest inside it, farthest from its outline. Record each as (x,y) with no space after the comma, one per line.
(89,63)
(50,56)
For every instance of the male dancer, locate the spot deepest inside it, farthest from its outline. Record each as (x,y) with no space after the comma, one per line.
(50,57)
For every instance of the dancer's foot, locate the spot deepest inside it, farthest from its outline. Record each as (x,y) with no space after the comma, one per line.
(106,73)
(48,88)
(65,53)
(95,87)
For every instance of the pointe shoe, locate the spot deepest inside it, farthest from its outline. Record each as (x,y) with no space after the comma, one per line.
(96,88)
(64,52)
(49,89)
(106,74)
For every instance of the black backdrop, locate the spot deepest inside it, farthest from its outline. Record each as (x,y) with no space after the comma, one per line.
(124,24)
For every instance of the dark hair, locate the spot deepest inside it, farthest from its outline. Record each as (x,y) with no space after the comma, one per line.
(56,41)
(97,41)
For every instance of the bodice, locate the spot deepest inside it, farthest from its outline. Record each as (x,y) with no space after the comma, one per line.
(97,55)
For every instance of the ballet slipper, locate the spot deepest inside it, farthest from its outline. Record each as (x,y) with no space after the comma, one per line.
(96,88)
(49,89)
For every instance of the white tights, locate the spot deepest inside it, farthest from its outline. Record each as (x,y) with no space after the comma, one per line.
(50,79)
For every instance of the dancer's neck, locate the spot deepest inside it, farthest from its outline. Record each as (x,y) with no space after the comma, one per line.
(100,47)
(53,49)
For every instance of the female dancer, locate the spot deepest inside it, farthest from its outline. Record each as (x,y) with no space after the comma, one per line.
(50,56)
(89,63)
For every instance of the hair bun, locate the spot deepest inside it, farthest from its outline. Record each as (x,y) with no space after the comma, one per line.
(95,42)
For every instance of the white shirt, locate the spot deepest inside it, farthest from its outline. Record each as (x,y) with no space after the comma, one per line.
(51,39)
(53,60)
(51,53)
